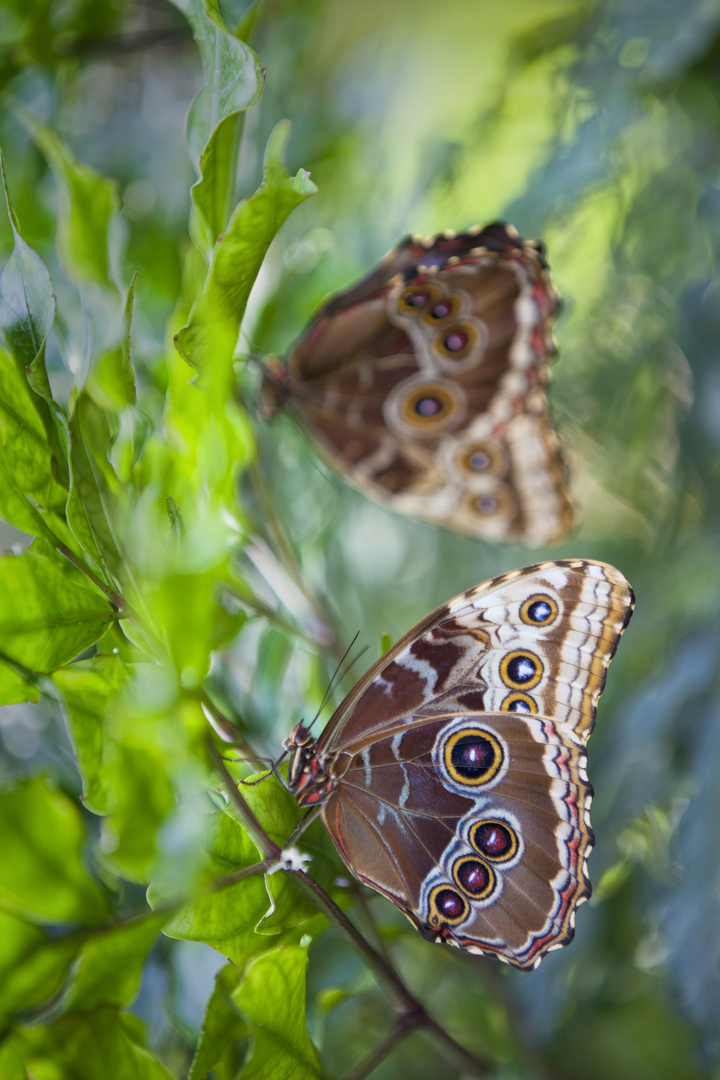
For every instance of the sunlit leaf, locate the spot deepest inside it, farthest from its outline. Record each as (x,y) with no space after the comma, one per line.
(87,202)
(96,504)
(111,380)
(48,614)
(42,872)
(272,999)
(222,1024)
(27,301)
(87,688)
(209,338)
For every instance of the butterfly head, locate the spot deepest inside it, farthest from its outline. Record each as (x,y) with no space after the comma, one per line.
(309,776)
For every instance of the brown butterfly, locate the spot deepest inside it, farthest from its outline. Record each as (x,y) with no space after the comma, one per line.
(452,778)
(424,385)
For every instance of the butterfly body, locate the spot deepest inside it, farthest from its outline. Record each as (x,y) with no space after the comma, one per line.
(452,778)
(424,384)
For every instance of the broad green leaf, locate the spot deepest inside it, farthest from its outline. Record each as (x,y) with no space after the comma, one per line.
(208,340)
(97,503)
(87,688)
(225,919)
(222,1023)
(27,310)
(87,202)
(42,873)
(48,615)
(272,999)
(234,82)
(110,963)
(11,1062)
(32,492)
(88,1045)
(111,380)
(27,301)
(33,966)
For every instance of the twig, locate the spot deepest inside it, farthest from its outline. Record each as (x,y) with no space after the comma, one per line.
(402,1028)
(268,847)
(114,597)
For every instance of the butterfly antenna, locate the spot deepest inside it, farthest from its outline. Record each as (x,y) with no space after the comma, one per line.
(338,676)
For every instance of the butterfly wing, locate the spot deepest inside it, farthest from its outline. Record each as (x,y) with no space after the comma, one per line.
(424,384)
(536,641)
(491,857)
(459,759)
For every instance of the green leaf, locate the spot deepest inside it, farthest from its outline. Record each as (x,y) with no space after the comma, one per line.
(42,874)
(96,503)
(48,615)
(88,1045)
(27,301)
(33,966)
(111,380)
(222,1024)
(87,202)
(272,999)
(225,919)
(110,964)
(32,495)
(234,82)
(208,340)
(87,688)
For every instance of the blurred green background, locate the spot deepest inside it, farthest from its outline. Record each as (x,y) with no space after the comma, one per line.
(596,127)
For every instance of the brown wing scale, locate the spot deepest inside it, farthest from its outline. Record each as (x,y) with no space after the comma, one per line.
(425,386)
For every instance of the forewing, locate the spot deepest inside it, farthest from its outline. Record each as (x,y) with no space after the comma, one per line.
(486,650)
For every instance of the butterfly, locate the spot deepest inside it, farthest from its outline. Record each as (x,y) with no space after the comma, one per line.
(452,778)
(424,385)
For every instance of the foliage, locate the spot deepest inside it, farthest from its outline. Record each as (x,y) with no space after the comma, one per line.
(179,578)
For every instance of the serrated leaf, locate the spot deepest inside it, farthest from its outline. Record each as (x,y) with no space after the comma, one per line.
(42,872)
(222,1023)
(88,1045)
(208,340)
(272,999)
(87,688)
(87,202)
(48,615)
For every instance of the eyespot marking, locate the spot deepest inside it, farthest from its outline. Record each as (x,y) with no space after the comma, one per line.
(447,907)
(472,756)
(521,670)
(539,610)
(474,877)
(494,840)
(519,703)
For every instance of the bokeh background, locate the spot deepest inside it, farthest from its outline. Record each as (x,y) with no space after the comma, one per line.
(595,126)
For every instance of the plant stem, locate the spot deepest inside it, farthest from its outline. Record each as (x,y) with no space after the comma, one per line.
(404,1026)
(268,847)
(388,976)
(114,597)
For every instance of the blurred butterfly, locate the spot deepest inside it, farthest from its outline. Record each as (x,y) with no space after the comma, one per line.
(424,385)
(452,778)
